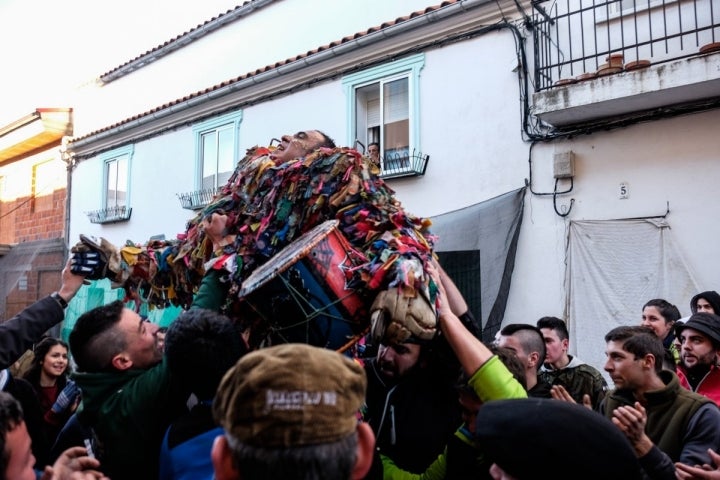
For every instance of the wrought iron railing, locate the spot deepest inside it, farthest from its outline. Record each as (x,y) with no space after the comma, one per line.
(118,213)
(197,199)
(580,39)
(404,165)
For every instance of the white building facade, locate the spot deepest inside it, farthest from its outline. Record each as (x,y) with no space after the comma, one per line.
(455,84)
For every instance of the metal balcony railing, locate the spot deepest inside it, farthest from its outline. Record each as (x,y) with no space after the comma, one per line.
(404,164)
(118,213)
(197,199)
(580,39)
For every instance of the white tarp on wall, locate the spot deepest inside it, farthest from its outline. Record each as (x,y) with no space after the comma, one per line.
(613,268)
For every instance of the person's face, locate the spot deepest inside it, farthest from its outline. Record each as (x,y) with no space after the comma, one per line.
(20,457)
(469,406)
(509,341)
(703,305)
(625,370)
(555,348)
(294,146)
(398,359)
(696,349)
(651,318)
(56,361)
(374,152)
(141,342)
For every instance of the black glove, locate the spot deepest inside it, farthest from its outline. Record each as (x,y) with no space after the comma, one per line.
(88,264)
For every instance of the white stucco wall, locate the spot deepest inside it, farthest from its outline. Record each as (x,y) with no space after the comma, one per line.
(667,161)
(471,127)
(274,33)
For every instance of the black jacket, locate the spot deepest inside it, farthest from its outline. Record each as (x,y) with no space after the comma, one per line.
(27,327)
(414,419)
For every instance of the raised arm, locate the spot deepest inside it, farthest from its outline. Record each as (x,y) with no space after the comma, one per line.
(27,327)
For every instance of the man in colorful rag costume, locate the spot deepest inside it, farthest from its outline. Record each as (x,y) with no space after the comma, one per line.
(278,195)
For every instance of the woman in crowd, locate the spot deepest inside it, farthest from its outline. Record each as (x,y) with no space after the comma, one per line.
(661,315)
(48,375)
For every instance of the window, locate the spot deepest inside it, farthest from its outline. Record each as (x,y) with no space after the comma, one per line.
(116,179)
(216,143)
(45,177)
(383,107)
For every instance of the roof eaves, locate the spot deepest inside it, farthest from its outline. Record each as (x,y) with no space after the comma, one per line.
(182,40)
(272,67)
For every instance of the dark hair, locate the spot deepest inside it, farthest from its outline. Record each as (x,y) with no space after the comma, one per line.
(554,323)
(325,460)
(710,296)
(327,142)
(11,415)
(512,362)
(201,345)
(530,337)
(373,143)
(639,341)
(40,351)
(94,340)
(667,310)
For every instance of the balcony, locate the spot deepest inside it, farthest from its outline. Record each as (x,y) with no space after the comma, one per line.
(597,60)
(403,164)
(197,199)
(119,213)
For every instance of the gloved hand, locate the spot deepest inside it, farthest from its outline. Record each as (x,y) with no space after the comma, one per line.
(395,318)
(67,398)
(98,256)
(88,264)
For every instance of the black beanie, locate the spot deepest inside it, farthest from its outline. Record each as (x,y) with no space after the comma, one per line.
(533,438)
(712,297)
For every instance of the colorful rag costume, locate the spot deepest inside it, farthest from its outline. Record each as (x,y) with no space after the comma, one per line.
(269,206)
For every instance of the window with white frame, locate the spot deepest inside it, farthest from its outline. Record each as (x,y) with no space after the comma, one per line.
(116,166)
(383,107)
(216,146)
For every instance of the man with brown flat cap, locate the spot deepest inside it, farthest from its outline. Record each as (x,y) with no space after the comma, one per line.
(292,412)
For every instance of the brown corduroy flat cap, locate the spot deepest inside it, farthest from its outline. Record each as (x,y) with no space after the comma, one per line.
(290,395)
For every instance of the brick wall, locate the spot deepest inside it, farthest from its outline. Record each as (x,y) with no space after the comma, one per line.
(43,278)
(31,219)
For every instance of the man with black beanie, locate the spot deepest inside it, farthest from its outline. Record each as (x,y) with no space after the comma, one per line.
(700,344)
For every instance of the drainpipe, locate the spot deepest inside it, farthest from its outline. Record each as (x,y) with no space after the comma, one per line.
(70,163)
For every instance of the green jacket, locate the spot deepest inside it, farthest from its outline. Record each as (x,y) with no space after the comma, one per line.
(129,412)
(492,381)
(670,411)
(579,379)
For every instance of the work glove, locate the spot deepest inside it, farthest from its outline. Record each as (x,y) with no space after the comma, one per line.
(88,264)
(67,397)
(96,258)
(397,318)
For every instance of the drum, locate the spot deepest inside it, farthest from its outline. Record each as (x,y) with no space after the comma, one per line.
(307,293)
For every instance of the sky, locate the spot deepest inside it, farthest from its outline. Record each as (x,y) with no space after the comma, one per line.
(50,46)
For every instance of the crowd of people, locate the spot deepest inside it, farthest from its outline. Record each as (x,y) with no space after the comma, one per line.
(125,400)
